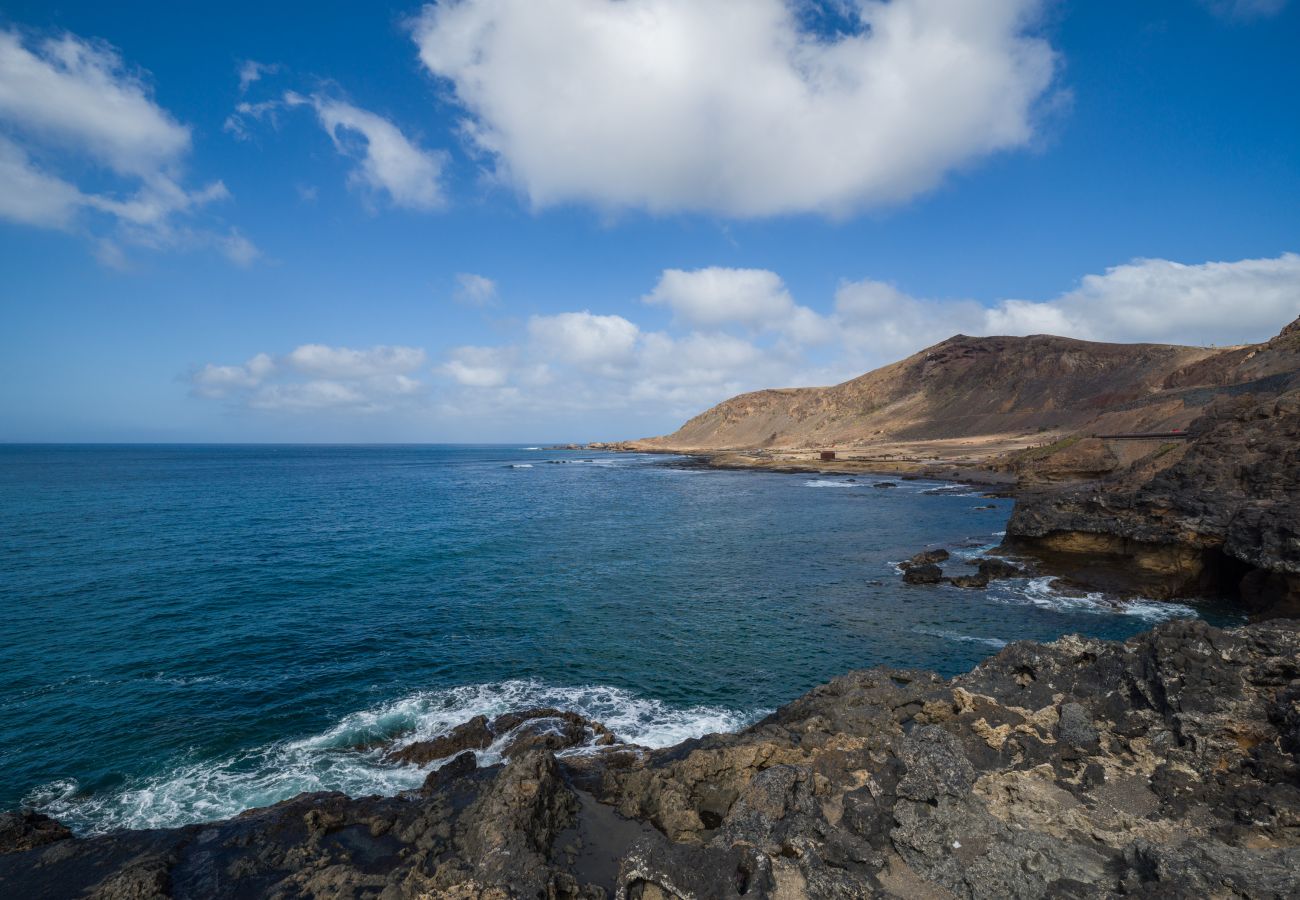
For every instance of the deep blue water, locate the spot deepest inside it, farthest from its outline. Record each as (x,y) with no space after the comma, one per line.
(189,631)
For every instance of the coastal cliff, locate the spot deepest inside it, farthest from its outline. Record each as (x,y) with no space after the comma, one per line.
(1218,514)
(1164,766)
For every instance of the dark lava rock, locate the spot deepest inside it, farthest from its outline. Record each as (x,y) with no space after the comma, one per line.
(884,484)
(1164,766)
(1216,513)
(978,580)
(26,829)
(926,573)
(548,729)
(472,735)
(924,557)
(985,506)
(993,568)
(530,729)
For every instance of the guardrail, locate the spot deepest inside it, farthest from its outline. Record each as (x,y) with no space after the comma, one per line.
(1148,436)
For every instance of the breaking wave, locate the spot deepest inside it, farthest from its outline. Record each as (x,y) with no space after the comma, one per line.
(996,643)
(1041,593)
(348,756)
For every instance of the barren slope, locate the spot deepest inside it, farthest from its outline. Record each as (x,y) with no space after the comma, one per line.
(969,386)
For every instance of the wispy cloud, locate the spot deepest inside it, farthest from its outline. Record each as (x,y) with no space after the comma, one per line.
(71,111)
(317,377)
(475,290)
(388,162)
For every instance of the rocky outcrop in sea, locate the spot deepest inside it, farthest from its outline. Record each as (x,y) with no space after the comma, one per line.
(1164,766)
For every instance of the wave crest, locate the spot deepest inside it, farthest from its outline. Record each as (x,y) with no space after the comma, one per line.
(348,756)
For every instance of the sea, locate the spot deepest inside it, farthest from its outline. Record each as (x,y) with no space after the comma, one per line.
(191,631)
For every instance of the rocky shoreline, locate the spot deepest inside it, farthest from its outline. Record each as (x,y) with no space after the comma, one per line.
(1164,766)
(1177,475)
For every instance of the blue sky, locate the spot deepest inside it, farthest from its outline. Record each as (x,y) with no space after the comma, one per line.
(536,220)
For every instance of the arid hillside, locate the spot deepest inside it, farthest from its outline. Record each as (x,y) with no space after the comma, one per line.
(973,387)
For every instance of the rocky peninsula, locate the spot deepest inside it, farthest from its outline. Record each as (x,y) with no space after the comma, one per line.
(1164,766)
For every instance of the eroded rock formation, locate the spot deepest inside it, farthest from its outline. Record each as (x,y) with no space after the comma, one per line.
(1165,766)
(1219,514)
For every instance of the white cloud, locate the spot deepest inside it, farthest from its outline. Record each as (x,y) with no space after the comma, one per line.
(31,196)
(1147,300)
(316,377)
(479,367)
(388,161)
(342,362)
(475,290)
(755,298)
(735,108)
(217,381)
(716,296)
(76,93)
(70,109)
(584,339)
(1170,302)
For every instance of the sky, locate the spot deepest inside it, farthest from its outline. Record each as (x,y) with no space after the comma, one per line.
(565,220)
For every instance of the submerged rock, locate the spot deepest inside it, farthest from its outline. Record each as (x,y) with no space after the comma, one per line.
(1167,765)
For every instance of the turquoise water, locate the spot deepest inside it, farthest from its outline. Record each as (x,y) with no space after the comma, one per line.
(190,631)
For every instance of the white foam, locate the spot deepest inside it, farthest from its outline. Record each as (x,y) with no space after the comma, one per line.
(521,465)
(828,483)
(336,759)
(530,448)
(997,643)
(1039,592)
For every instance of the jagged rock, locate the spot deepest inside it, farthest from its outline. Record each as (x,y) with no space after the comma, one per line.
(925,573)
(549,729)
(993,568)
(925,557)
(27,829)
(1167,765)
(1219,514)
(472,735)
(530,729)
(978,580)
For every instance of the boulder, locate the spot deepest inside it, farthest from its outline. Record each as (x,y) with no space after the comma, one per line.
(978,580)
(925,557)
(926,573)
(993,567)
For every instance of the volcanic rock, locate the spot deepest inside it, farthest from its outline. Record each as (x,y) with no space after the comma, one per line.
(925,573)
(1167,765)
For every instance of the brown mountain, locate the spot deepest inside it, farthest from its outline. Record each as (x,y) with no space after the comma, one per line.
(975,387)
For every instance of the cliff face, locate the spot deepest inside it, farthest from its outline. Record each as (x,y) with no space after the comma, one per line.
(1221,514)
(1166,766)
(965,386)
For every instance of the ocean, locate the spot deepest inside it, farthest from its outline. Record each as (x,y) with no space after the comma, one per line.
(191,631)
